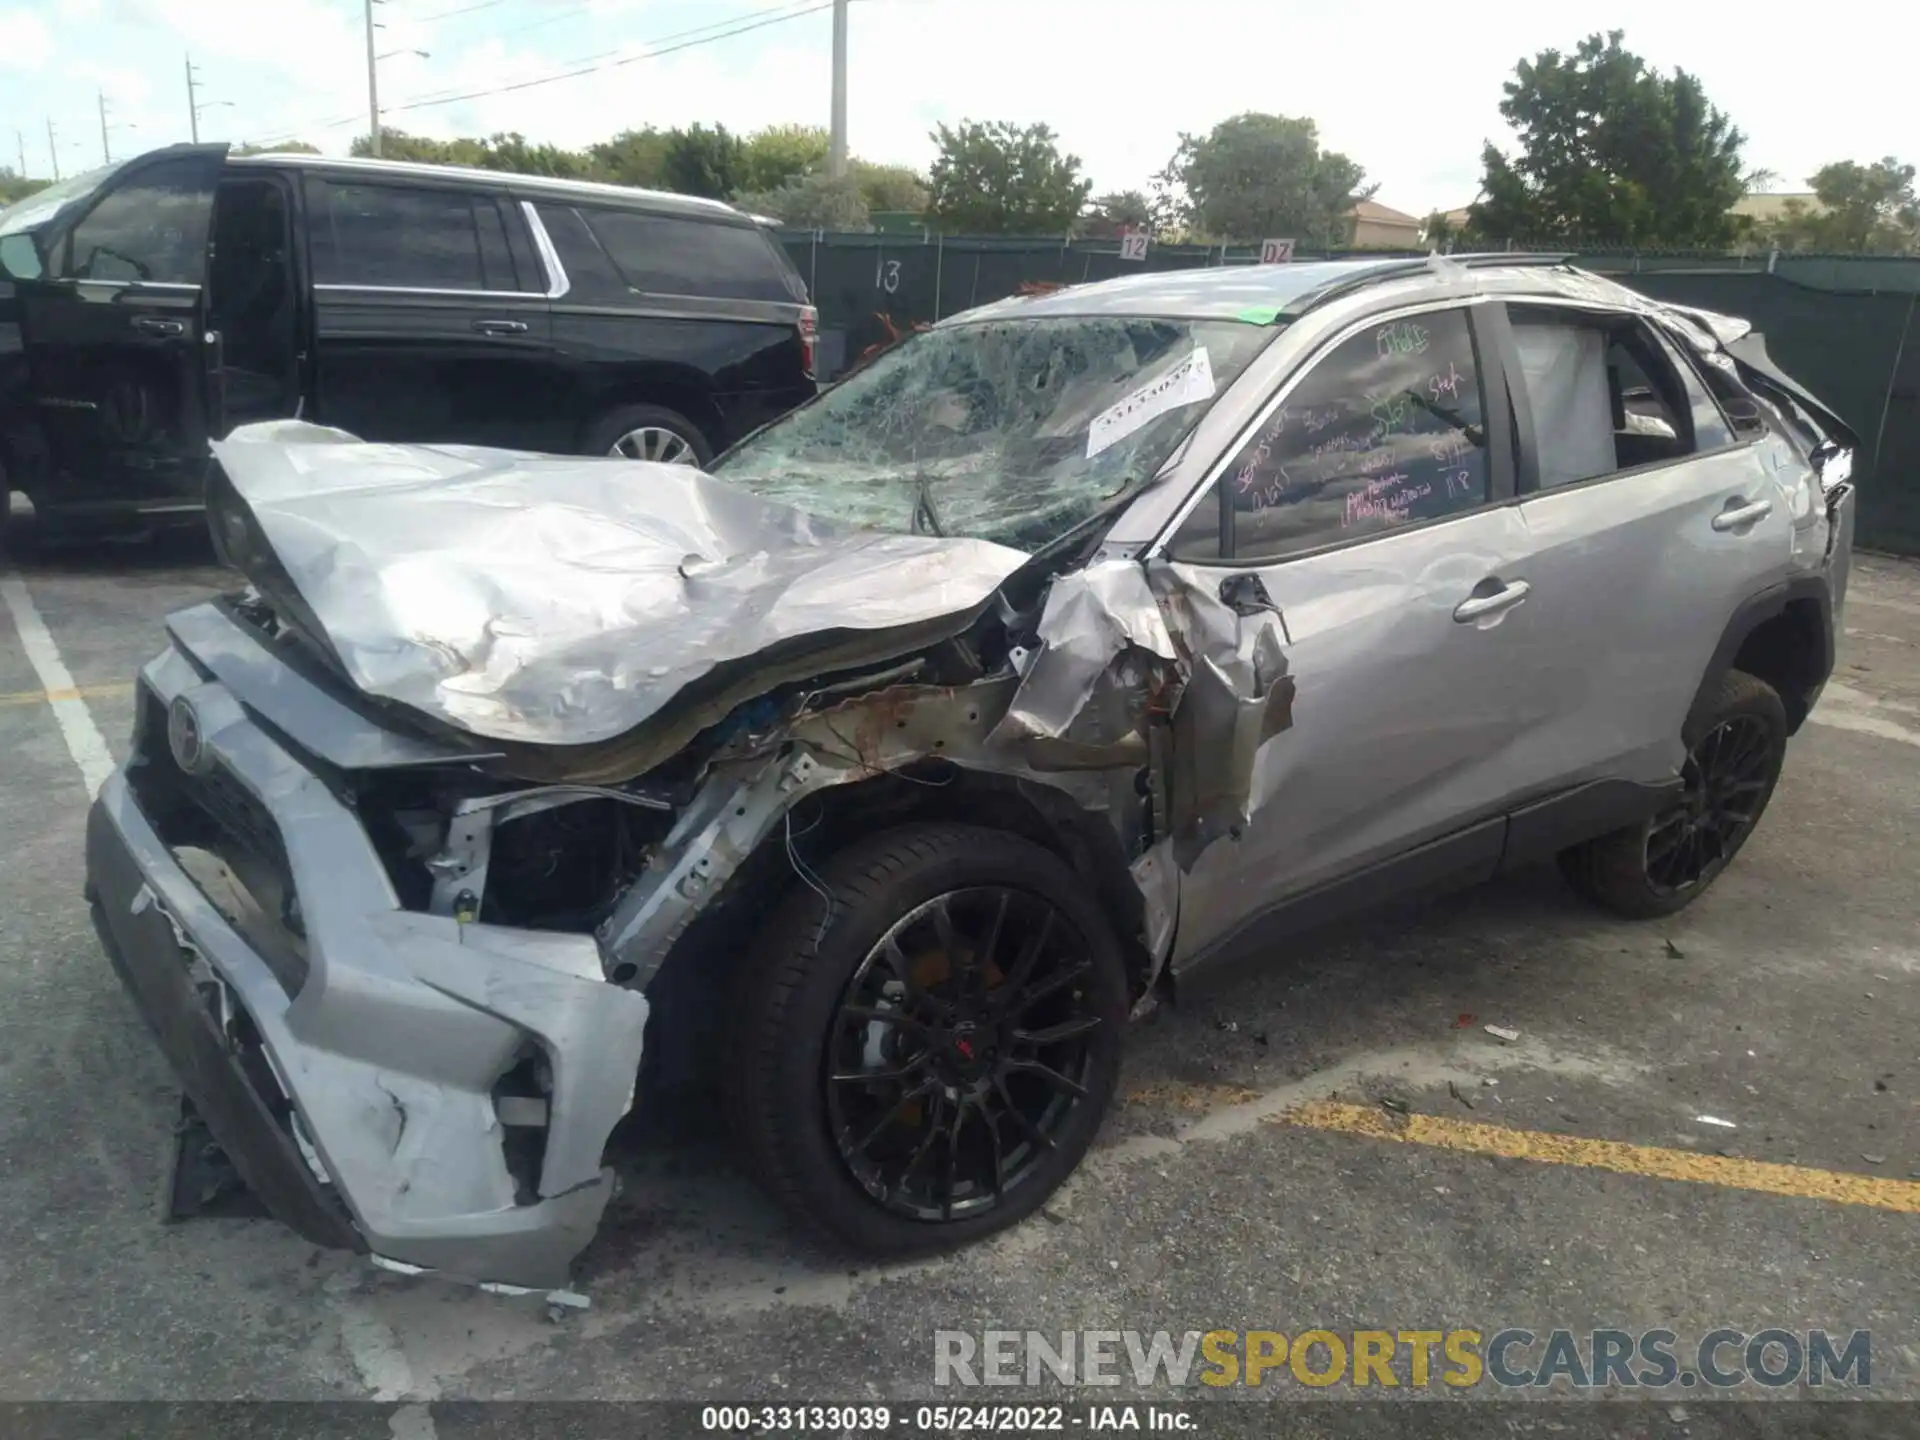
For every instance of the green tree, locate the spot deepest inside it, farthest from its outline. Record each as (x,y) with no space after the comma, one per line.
(633,157)
(771,157)
(699,161)
(811,202)
(512,151)
(15,186)
(1868,207)
(1610,152)
(284,147)
(1116,211)
(896,188)
(399,145)
(1257,176)
(1004,179)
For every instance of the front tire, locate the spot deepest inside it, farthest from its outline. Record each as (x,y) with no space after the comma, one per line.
(926,1045)
(1736,740)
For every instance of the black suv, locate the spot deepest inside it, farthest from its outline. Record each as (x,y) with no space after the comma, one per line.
(148,307)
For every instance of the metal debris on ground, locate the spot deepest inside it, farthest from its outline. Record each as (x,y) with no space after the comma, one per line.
(1874,1159)
(1674,952)
(1715,1120)
(1501,1032)
(1397,1106)
(1454,1090)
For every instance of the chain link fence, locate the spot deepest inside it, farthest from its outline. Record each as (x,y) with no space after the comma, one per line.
(1843,325)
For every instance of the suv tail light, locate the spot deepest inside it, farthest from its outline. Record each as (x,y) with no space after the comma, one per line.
(809,329)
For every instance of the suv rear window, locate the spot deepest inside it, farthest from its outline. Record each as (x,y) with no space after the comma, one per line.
(672,255)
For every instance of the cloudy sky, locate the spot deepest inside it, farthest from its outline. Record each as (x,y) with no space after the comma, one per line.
(1408,90)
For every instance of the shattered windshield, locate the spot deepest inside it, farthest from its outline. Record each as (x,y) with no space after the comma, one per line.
(1006,430)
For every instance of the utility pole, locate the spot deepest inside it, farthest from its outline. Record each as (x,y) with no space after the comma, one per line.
(837,146)
(53,148)
(373,87)
(106,155)
(193,110)
(20,139)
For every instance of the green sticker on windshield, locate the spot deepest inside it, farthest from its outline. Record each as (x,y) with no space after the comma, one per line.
(1259,314)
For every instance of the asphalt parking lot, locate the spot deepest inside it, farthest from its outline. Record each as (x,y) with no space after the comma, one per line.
(1787,1003)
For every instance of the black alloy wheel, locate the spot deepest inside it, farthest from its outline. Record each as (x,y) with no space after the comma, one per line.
(960,1051)
(1724,785)
(926,1036)
(1736,741)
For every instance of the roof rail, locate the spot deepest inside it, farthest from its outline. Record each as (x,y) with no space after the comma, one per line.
(1401,269)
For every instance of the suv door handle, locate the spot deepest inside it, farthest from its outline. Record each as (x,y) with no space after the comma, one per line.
(501,327)
(1479,607)
(154,325)
(1739,512)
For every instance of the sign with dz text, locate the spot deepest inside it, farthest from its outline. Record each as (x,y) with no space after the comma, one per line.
(1276,252)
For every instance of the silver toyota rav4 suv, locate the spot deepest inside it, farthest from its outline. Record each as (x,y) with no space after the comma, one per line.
(878,775)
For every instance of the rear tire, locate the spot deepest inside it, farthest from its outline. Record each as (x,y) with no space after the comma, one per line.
(854,988)
(649,432)
(1736,740)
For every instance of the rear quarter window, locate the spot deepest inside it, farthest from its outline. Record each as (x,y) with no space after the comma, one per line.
(674,255)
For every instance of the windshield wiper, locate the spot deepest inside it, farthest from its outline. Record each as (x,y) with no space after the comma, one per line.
(923,508)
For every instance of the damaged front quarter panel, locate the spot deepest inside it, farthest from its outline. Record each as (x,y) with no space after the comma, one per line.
(1145,701)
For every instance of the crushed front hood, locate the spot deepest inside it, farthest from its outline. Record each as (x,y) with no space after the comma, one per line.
(550,600)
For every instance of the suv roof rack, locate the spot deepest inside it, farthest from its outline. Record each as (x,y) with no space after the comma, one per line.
(1401,269)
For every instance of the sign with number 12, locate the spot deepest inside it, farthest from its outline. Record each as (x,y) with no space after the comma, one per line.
(1133,245)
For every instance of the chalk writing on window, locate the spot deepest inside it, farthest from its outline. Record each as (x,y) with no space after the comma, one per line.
(1383,432)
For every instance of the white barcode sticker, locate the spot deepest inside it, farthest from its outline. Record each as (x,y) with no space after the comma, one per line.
(1189,381)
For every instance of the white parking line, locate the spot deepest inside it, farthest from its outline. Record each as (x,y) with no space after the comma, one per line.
(1842,707)
(84,741)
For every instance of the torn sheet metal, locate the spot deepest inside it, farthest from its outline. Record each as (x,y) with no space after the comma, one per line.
(1238,695)
(1091,616)
(550,600)
(744,801)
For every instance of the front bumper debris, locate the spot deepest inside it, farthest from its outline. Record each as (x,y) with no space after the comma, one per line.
(356,1092)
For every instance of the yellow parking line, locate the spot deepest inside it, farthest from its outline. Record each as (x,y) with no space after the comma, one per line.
(77,692)
(1649,1160)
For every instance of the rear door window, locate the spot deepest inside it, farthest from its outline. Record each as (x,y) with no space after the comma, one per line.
(1604,394)
(405,237)
(675,255)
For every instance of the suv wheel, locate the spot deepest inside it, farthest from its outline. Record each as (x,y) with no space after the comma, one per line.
(928,1039)
(649,432)
(1736,741)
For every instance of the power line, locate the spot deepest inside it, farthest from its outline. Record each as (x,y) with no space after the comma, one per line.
(668,44)
(616,63)
(461,10)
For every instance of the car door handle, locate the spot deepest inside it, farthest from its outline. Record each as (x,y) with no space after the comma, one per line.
(1740,513)
(501,327)
(154,325)
(1479,607)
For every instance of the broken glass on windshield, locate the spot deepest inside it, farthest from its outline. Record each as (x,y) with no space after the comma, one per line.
(1009,430)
